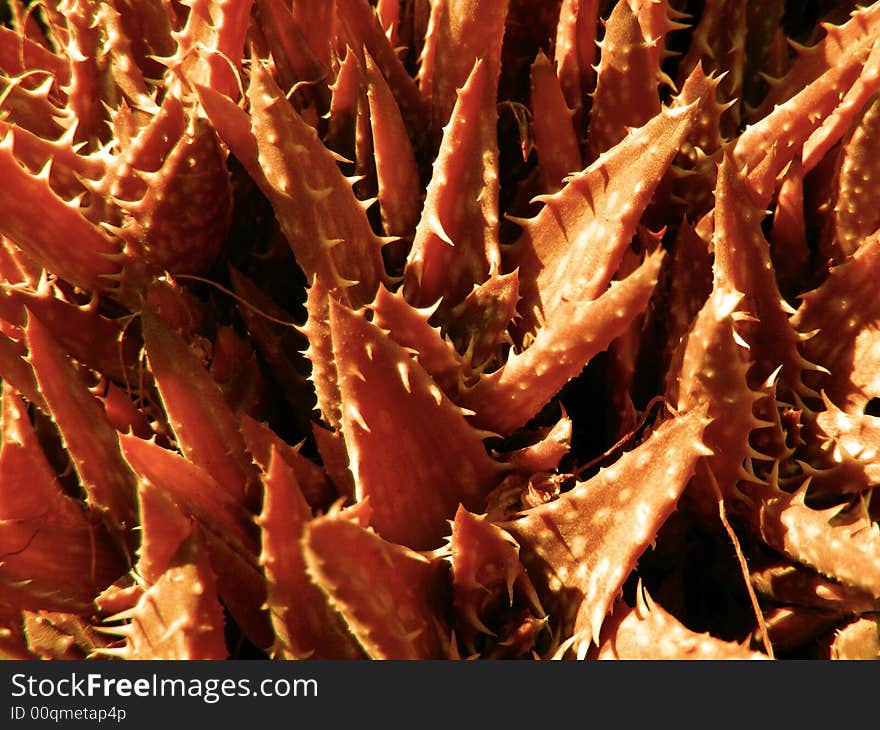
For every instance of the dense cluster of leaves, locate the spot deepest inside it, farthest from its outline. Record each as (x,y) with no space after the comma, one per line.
(439,329)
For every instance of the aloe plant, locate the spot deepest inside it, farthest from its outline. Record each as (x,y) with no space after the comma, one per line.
(432,329)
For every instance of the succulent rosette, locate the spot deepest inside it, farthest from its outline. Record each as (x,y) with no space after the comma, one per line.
(439,329)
